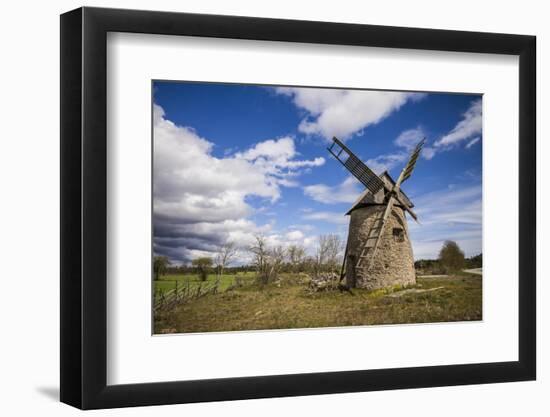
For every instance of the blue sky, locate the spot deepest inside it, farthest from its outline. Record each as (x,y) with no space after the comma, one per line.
(232,161)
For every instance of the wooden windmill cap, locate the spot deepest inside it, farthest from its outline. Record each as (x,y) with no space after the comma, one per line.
(367,198)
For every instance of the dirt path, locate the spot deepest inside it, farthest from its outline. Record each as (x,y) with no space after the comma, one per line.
(475,271)
(413,291)
(433,276)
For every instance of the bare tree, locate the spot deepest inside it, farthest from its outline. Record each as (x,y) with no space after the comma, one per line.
(268,260)
(321,253)
(260,252)
(334,253)
(310,264)
(329,252)
(276,260)
(296,255)
(225,255)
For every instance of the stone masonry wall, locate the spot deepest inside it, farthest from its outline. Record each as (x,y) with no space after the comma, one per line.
(394,262)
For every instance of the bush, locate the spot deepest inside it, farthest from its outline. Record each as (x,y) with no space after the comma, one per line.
(451,257)
(203,266)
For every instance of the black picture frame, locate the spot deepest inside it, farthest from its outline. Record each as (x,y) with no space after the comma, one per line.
(84,207)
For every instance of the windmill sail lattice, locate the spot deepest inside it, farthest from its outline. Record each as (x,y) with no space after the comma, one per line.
(407,171)
(362,172)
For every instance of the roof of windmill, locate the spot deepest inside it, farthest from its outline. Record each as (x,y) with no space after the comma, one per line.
(367,198)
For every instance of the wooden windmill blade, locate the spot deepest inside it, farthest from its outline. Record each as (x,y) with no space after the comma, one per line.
(407,171)
(405,174)
(359,170)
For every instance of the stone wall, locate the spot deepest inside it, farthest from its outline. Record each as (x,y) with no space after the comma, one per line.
(393,263)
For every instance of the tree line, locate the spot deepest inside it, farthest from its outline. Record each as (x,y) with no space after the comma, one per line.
(267,260)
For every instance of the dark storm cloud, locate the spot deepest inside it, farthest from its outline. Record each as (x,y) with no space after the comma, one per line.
(178,241)
(167,229)
(201,201)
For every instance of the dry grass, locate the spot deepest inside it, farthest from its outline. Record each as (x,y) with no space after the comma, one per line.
(168,282)
(292,306)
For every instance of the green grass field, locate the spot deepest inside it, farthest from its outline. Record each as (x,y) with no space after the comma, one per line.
(454,298)
(168,282)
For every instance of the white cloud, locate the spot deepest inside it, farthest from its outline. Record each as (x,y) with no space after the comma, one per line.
(386,162)
(342,113)
(453,205)
(473,142)
(295,235)
(327,216)
(453,213)
(200,200)
(273,156)
(428,152)
(303,227)
(349,190)
(285,182)
(186,173)
(469,126)
(346,192)
(408,139)
(466,129)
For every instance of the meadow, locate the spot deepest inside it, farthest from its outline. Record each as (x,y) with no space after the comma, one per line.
(168,282)
(290,304)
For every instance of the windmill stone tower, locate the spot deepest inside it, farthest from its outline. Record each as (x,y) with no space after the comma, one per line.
(378,251)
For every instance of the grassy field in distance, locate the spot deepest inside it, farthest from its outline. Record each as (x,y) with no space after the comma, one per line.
(168,282)
(445,299)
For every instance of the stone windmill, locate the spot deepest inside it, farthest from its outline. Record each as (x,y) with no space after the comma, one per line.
(378,251)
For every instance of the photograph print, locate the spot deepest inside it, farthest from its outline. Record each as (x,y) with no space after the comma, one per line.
(289,207)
